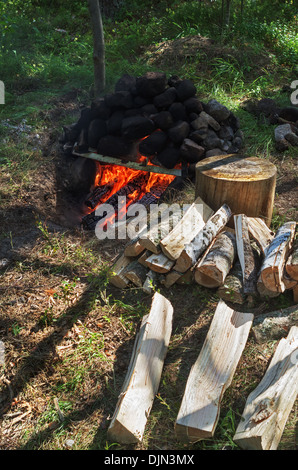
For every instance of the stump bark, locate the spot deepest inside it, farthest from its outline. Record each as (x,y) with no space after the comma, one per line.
(246,184)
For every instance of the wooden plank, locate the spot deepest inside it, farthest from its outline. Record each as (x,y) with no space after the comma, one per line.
(213,269)
(128,164)
(193,250)
(143,376)
(267,408)
(245,254)
(276,254)
(212,373)
(191,223)
(159,263)
(260,232)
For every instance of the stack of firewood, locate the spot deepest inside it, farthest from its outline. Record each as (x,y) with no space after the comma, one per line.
(242,262)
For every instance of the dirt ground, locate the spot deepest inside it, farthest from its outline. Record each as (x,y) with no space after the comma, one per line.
(54,301)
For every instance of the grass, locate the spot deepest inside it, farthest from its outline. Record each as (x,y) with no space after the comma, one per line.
(68,335)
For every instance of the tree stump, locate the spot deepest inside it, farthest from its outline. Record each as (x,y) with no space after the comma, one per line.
(246,184)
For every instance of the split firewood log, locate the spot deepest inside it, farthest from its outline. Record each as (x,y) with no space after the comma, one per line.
(159,263)
(272,269)
(260,232)
(191,223)
(193,250)
(136,273)
(118,278)
(151,239)
(245,254)
(267,408)
(214,267)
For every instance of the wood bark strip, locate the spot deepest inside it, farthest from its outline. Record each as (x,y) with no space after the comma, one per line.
(276,254)
(260,232)
(245,254)
(267,408)
(274,325)
(143,376)
(213,269)
(212,373)
(193,250)
(292,262)
(191,223)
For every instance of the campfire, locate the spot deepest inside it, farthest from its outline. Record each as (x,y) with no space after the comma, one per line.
(144,135)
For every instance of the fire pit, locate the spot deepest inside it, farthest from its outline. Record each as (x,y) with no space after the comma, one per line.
(144,135)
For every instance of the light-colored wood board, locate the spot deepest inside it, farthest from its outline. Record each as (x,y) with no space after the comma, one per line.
(212,373)
(267,408)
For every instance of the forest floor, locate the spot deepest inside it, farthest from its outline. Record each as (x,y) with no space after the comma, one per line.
(68,334)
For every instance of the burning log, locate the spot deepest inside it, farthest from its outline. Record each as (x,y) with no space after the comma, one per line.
(272,269)
(98,195)
(267,408)
(214,267)
(191,223)
(245,184)
(245,254)
(143,376)
(212,373)
(193,250)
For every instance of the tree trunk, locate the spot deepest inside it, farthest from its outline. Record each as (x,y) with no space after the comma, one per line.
(98,47)
(246,184)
